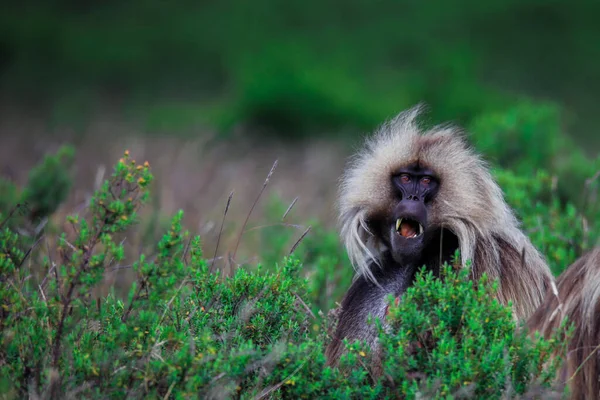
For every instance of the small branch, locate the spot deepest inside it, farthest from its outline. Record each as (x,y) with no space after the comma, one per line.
(42,293)
(306,307)
(584,361)
(214,259)
(270,390)
(187,248)
(171,302)
(252,208)
(30,250)
(289,208)
(15,208)
(300,239)
(272,225)
(67,299)
(69,244)
(136,296)
(221,229)
(120,267)
(169,391)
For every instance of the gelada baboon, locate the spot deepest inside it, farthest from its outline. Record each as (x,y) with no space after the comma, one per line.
(579,300)
(411,198)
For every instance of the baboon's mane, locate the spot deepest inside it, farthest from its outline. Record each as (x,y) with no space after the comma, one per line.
(469,204)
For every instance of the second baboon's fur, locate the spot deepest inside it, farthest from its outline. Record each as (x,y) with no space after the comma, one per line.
(578,299)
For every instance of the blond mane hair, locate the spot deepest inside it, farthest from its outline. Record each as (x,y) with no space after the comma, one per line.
(469,203)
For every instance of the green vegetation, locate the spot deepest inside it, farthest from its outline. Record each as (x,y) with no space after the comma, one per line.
(184,329)
(519,75)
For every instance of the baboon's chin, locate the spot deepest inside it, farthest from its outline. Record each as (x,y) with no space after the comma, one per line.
(406,251)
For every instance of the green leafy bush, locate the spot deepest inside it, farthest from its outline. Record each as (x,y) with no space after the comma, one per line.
(184,330)
(456,340)
(528,137)
(46,189)
(558,229)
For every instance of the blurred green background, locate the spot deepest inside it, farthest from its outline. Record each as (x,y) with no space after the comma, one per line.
(299,67)
(212,92)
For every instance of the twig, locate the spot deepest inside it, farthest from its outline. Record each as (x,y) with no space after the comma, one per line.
(289,208)
(15,208)
(584,361)
(120,267)
(135,297)
(300,239)
(278,385)
(169,391)
(187,248)
(67,299)
(112,259)
(30,250)
(221,230)
(52,265)
(252,208)
(171,302)
(306,307)
(214,259)
(69,244)
(42,293)
(272,225)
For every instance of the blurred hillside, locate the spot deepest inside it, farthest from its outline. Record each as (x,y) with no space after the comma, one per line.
(166,79)
(298,67)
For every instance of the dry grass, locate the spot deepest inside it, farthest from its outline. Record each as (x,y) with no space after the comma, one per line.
(190,174)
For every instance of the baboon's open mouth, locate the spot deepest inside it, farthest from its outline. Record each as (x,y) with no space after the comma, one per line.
(408,228)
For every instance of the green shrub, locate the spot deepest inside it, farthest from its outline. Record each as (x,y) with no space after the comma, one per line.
(455,339)
(529,137)
(46,189)
(184,330)
(49,183)
(527,134)
(556,228)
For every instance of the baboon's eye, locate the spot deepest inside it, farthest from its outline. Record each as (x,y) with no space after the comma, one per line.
(404,178)
(426,180)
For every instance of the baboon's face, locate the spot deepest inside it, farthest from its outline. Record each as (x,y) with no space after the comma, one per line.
(406,228)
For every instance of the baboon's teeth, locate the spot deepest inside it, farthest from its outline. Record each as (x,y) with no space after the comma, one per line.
(398,223)
(420,229)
